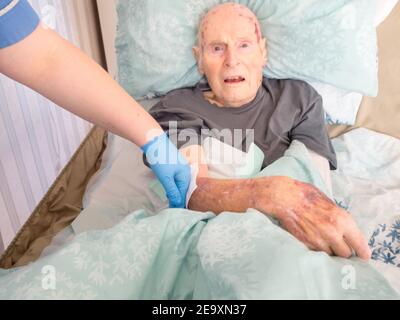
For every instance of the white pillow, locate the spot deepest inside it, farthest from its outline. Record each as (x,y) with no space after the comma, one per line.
(383,9)
(342,106)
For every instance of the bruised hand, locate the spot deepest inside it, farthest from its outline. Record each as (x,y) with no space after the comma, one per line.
(311,217)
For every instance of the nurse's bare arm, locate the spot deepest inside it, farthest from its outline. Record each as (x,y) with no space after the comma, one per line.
(301,208)
(52,66)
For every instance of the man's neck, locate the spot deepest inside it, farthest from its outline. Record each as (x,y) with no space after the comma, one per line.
(211,98)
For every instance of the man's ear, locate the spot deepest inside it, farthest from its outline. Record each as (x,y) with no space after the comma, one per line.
(197,56)
(264,51)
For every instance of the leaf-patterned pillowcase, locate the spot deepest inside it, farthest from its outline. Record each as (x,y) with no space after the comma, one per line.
(326,41)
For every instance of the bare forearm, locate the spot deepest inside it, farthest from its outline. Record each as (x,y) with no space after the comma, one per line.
(55,68)
(222,195)
(236,195)
(301,209)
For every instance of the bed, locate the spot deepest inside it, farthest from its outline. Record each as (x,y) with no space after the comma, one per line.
(99,204)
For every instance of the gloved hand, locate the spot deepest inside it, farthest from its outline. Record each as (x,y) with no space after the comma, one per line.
(170,167)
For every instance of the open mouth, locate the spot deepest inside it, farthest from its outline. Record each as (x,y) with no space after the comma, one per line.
(235,79)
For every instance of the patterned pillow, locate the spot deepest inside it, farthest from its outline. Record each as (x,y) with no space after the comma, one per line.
(327,41)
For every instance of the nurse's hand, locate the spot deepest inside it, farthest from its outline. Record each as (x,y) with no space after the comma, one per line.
(171,169)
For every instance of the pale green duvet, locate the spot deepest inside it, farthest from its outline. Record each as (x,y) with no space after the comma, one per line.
(181,254)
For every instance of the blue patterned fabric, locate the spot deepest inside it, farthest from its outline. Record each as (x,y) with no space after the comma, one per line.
(17,23)
(367,185)
(326,41)
(385,243)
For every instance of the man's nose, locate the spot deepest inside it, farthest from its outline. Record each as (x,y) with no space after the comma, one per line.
(231,59)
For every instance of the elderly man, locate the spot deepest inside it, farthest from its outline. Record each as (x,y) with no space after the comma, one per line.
(231,53)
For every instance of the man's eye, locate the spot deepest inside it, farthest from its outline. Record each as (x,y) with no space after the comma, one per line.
(218,48)
(244,45)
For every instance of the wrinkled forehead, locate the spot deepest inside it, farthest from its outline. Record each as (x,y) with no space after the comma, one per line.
(229,18)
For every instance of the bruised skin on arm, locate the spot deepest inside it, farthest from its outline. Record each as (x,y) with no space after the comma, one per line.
(301,209)
(238,195)
(223,195)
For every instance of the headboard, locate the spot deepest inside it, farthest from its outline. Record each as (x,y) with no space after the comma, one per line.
(108,22)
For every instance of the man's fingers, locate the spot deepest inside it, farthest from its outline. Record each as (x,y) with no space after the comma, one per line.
(337,243)
(308,234)
(322,245)
(356,240)
(360,246)
(318,246)
(340,248)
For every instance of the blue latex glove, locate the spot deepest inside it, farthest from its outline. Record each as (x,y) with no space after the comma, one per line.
(170,167)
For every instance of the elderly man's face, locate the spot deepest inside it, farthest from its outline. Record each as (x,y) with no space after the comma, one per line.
(231,54)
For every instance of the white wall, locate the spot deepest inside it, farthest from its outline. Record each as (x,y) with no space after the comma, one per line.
(38,138)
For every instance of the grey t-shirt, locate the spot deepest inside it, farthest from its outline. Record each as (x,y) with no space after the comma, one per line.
(282,111)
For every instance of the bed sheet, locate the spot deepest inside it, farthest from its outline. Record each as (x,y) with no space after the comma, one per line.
(182,254)
(367,184)
(220,257)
